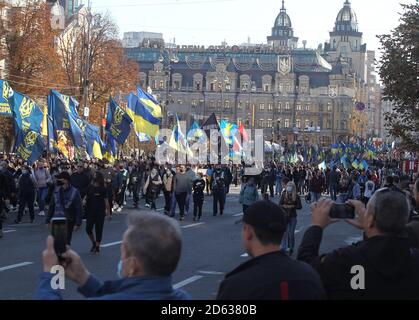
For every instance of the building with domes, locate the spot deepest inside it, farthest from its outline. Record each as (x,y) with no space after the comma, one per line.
(295,94)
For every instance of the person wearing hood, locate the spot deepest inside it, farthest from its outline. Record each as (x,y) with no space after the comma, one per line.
(27,191)
(386,264)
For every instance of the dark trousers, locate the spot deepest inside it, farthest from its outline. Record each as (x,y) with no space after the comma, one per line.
(333,191)
(271,188)
(219,196)
(207,185)
(197,207)
(151,197)
(26,200)
(167,201)
(70,227)
(245,207)
(180,199)
(135,193)
(97,222)
(120,197)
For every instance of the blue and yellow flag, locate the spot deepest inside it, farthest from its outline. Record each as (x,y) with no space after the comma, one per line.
(195,133)
(228,130)
(149,103)
(118,122)
(29,145)
(6,93)
(144,121)
(94,143)
(28,115)
(178,139)
(52,138)
(109,150)
(355,164)
(60,107)
(77,130)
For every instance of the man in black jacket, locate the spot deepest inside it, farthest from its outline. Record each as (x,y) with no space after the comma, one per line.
(271,274)
(384,266)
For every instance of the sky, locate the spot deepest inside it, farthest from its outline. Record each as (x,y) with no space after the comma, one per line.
(209,22)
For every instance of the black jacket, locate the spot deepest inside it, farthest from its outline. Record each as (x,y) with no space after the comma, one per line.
(391,267)
(198,190)
(273,276)
(81,182)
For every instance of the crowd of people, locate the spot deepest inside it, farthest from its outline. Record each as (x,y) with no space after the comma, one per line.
(385,203)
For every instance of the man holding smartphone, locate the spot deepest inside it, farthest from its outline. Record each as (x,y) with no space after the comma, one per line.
(66,202)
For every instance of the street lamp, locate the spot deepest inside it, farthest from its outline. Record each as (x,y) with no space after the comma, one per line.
(171,58)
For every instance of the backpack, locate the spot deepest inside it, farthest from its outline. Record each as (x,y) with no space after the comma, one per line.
(218,183)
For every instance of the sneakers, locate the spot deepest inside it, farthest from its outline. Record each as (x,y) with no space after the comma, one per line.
(119,209)
(181,218)
(147,205)
(41,214)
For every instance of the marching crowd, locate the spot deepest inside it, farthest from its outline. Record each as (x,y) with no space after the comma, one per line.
(385,202)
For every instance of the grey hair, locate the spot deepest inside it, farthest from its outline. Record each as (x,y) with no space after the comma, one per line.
(156,241)
(391,211)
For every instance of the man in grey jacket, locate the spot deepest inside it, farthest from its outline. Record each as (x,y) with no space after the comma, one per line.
(182,186)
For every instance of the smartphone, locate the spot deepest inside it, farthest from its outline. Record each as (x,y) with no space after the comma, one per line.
(59,232)
(342,211)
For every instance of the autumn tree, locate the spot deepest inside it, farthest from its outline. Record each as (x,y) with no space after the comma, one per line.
(33,64)
(94,59)
(399,72)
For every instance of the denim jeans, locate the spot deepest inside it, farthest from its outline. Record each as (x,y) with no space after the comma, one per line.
(315,196)
(278,186)
(333,191)
(173,204)
(42,195)
(288,241)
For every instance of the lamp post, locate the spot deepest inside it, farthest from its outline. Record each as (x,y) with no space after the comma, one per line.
(171,58)
(222,80)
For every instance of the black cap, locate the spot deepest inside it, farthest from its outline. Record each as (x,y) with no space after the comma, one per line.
(63,175)
(266,215)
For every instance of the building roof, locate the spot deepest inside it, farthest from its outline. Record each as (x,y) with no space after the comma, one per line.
(346,19)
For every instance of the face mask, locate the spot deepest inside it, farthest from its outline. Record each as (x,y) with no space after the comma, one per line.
(289,189)
(60,183)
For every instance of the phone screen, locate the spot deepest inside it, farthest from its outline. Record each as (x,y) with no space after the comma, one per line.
(342,211)
(59,232)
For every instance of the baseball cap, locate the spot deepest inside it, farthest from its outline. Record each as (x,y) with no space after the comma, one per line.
(63,175)
(266,215)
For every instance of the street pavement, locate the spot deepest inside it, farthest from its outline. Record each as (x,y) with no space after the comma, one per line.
(211,248)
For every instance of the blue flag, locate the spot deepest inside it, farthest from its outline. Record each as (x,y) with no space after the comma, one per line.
(94,144)
(118,122)
(52,138)
(5,94)
(60,107)
(144,120)
(27,114)
(29,145)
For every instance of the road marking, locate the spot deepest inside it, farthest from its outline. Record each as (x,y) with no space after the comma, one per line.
(186,282)
(111,244)
(13,266)
(193,225)
(213,273)
(161,209)
(244,255)
(238,215)
(9,231)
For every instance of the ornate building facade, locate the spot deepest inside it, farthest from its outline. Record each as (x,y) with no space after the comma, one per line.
(293,93)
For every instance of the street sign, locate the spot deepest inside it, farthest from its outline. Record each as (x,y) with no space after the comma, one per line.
(86,112)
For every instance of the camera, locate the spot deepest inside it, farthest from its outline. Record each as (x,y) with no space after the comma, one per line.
(342,211)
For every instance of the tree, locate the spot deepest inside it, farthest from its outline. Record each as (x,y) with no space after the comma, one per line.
(33,65)
(399,72)
(92,54)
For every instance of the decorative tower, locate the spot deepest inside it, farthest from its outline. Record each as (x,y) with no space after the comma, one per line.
(57,16)
(282,32)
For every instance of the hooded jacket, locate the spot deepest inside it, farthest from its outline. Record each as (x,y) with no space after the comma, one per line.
(390,263)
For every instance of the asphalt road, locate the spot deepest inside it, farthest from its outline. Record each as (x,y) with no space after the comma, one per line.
(211,248)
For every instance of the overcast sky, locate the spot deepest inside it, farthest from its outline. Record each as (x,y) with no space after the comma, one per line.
(209,22)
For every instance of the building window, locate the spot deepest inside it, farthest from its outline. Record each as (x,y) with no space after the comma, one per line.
(329,106)
(198,86)
(212,86)
(227,104)
(240,105)
(279,106)
(287,123)
(287,106)
(298,123)
(161,84)
(307,123)
(298,106)
(307,107)
(328,124)
(262,106)
(261,123)
(194,103)
(270,106)
(320,108)
(212,104)
(228,87)
(289,88)
(280,87)
(219,104)
(176,85)
(269,123)
(248,104)
(179,101)
(266,88)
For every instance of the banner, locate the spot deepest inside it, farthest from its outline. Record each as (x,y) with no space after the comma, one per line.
(27,114)
(6,93)
(118,122)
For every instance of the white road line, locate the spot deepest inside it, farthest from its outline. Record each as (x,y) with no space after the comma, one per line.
(238,215)
(244,255)
(9,231)
(213,273)
(111,244)
(193,225)
(14,266)
(161,209)
(186,282)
